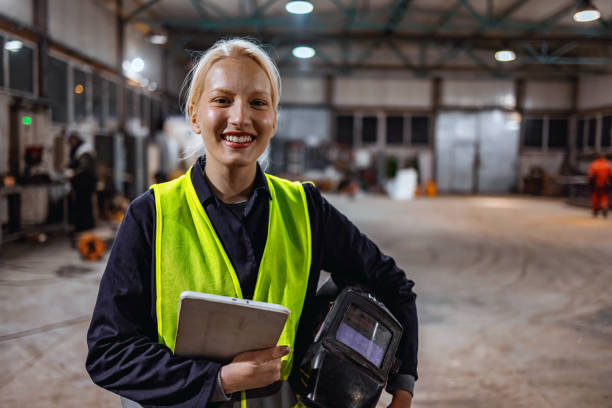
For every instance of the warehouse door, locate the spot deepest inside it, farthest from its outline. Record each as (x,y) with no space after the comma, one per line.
(476,152)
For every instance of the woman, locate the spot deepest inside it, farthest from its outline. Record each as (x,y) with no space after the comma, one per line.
(228,228)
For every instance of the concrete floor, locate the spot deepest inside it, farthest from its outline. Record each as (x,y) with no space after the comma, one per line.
(515,304)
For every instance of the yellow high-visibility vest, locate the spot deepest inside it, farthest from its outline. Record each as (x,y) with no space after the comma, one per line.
(190,256)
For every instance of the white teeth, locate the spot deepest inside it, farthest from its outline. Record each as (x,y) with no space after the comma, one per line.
(238,139)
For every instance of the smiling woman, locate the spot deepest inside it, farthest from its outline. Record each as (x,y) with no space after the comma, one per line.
(232,103)
(235,117)
(228,228)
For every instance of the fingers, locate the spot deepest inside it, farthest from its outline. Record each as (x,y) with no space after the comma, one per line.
(273,353)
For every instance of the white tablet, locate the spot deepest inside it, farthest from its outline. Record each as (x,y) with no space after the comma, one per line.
(220,327)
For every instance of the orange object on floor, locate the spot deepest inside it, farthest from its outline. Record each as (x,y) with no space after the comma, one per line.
(600,174)
(431,189)
(91,247)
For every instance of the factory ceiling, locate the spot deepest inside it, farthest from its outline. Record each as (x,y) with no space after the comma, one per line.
(389,37)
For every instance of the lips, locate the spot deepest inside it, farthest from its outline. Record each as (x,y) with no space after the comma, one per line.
(237,139)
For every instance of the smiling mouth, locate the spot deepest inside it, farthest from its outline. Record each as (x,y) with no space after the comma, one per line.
(242,138)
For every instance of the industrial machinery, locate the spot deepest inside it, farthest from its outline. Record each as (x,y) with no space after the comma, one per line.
(352,356)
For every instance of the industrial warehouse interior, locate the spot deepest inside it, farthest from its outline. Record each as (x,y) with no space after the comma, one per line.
(469,140)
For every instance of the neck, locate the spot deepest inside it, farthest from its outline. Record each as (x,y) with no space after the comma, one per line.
(230,184)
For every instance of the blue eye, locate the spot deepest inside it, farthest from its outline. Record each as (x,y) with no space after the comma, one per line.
(259,102)
(221,100)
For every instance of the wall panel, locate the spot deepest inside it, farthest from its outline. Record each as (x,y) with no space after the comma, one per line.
(303,90)
(548,95)
(395,93)
(594,92)
(20,10)
(478,94)
(86,26)
(310,125)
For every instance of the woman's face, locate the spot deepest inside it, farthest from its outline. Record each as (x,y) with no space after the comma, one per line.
(235,115)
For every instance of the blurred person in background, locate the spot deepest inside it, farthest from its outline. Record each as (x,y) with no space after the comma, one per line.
(227,228)
(83,178)
(599,178)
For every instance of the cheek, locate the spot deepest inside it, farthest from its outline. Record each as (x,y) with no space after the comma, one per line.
(209,116)
(267,120)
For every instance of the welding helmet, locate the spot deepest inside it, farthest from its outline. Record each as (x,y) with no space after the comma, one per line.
(353,353)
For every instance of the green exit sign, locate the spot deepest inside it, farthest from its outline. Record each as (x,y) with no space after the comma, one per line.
(27,120)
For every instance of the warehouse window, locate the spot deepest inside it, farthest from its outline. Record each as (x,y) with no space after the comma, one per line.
(344,129)
(395,129)
(369,126)
(144,110)
(57,89)
(606,131)
(131,103)
(580,134)
(592,132)
(98,98)
(111,89)
(557,133)
(1,61)
(533,132)
(419,130)
(21,69)
(156,114)
(80,90)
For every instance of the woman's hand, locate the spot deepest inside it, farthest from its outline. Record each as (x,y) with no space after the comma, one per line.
(253,369)
(401,399)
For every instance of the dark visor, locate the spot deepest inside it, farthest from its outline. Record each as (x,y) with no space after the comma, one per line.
(364,334)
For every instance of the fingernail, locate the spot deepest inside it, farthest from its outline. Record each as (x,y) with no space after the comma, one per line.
(285,350)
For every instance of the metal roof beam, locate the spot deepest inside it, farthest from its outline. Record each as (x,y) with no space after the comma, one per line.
(199,9)
(365,54)
(483,21)
(536,69)
(480,40)
(400,55)
(470,52)
(398,11)
(449,54)
(511,9)
(261,9)
(140,9)
(341,7)
(448,16)
(215,8)
(325,21)
(554,19)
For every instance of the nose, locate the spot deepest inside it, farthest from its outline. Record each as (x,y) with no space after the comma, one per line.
(239,114)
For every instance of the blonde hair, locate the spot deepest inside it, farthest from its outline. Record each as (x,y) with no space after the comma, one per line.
(234,47)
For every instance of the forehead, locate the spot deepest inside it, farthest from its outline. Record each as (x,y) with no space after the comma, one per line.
(238,74)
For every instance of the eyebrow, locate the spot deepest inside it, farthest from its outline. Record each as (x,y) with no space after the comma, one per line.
(224,90)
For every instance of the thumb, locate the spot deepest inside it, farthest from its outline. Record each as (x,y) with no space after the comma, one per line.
(273,353)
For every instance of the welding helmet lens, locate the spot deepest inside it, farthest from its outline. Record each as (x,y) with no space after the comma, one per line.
(364,334)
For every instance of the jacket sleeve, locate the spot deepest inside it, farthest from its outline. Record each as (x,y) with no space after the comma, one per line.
(124,356)
(351,257)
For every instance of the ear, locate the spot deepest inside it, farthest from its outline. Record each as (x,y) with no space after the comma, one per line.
(193,116)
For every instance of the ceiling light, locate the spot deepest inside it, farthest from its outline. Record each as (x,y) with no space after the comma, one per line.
(586,12)
(137,65)
(13,46)
(299,7)
(158,39)
(505,55)
(303,52)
